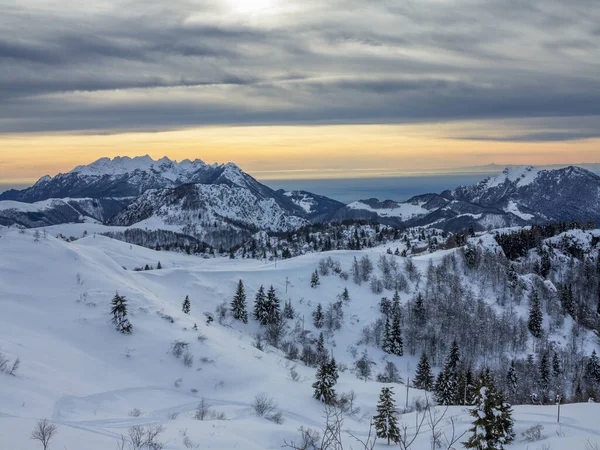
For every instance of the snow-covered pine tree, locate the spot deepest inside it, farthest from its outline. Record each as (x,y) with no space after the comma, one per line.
(314,279)
(386,419)
(273,306)
(345,295)
(321,350)
(512,380)
(592,368)
(323,386)
(423,377)
(333,370)
(493,424)
(288,309)
(385,306)
(386,345)
(159,266)
(396,303)
(535,316)
(397,345)
(555,365)
(119,312)
(356,276)
(261,311)
(544,375)
(238,304)
(186,307)
(318,316)
(446,386)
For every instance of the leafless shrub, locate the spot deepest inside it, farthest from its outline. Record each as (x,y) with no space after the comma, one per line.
(3,362)
(533,434)
(178,347)
(187,443)
(188,359)
(44,431)
(135,412)
(173,415)
(205,360)
(202,410)
(202,337)
(15,366)
(214,415)
(263,405)
(178,382)
(275,417)
(589,445)
(294,375)
(309,440)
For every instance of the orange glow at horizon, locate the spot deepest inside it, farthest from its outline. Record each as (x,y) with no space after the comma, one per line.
(289,152)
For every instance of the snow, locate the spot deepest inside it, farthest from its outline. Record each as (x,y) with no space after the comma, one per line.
(404,211)
(306,202)
(513,208)
(523,175)
(85,377)
(169,169)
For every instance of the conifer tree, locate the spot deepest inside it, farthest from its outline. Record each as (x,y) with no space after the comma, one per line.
(555,365)
(261,311)
(544,372)
(512,380)
(314,279)
(323,386)
(535,316)
(273,306)
(186,307)
(119,312)
(493,424)
(321,350)
(396,303)
(346,295)
(238,304)
(288,310)
(423,377)
(318,316)
(159,266)
(333,370)
(397,345)
(419,311)
(386,419)
(446,386)
(386,345)
(593,368)
(385,307)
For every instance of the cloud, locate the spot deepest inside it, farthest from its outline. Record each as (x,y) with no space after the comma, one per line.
(132,64)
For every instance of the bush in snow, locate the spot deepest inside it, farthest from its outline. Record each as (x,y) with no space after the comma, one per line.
(135,412)
(263,405)
(178,347)
(534,433)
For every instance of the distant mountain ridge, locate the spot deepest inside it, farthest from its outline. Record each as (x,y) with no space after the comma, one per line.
(207,200)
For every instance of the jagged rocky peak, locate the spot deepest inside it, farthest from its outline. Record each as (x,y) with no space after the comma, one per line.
(170,169)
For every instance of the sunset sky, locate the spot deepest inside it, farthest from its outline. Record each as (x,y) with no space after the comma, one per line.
(299,89)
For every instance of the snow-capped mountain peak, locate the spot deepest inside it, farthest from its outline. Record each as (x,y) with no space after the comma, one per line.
(169,169)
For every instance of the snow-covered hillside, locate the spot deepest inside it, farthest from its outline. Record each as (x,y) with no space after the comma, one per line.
(89,379)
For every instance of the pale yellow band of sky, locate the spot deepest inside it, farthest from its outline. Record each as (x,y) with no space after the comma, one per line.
(290,152)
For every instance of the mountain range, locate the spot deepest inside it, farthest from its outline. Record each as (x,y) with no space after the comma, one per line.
(204,200)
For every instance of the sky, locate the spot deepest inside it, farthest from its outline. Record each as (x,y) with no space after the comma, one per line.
(299,88)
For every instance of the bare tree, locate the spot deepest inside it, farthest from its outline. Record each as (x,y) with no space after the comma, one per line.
(202,410)
(44,431)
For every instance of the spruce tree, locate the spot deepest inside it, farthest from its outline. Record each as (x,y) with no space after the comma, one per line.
(318,316)
(314,279)
(396,303)
(593,368)
(423,377)
(345,295)
(323,386)
(446,386)
(159,266)
(512,380)
(273,306)
(397,345)
(544,372)
(238,304)
(535,316)
(493,424)
(119,312)
(386,345)
(386,419)
(261,311)
(555,365)
(321,350)
(288,310)
(186,307)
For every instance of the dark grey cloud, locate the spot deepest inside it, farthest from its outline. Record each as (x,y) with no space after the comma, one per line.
(128,65)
